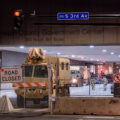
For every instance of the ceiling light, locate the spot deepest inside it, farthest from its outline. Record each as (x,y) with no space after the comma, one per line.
(58,53)
(104,50)
(73,56)
(91,46)
(97,60)
(45,51)
(112,53)
(22,47)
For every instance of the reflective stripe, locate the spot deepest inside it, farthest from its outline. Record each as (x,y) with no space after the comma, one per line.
(36,84)
(20,84)
(29,85)
(14,85)
(46,84)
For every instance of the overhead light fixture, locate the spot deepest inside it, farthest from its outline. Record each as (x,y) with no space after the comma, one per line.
(112,53)
(91,46)
(58,53)
(104,50)
(45,51)
(73,56)
(22,47)
(97,60)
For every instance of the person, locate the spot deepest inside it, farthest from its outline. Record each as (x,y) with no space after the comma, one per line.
(92,82)
(80,79)
(105,81)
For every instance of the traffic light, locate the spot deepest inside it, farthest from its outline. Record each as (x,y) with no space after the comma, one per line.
(18,19)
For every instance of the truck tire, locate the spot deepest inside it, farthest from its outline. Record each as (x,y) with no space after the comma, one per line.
(20,101)
(66,91)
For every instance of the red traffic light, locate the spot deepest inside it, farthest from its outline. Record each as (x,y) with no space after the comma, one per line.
(2,70)
(17,13)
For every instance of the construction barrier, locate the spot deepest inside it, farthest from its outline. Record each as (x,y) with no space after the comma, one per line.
(82,105)
(5,105)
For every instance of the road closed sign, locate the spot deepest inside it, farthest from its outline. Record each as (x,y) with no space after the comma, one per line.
(11,75)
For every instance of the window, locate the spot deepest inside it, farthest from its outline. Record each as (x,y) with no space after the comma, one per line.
(41,71)
(62,66)
(27,71)
(67,66)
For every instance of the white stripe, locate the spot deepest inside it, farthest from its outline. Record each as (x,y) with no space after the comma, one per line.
(25,85)
(33,84)
(42,84)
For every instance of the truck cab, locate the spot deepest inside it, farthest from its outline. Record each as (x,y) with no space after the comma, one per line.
(35,80)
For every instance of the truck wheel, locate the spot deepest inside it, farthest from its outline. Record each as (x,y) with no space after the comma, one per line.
(66,91)
(36,101)
(20,101)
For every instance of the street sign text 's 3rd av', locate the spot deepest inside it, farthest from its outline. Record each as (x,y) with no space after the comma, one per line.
(73,16)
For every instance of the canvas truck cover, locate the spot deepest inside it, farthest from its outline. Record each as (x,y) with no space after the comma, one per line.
(36,53)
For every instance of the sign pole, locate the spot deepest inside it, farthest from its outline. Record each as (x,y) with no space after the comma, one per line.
(50,105)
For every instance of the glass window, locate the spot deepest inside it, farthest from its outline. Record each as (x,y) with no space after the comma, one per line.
(67,65)
(41,71)
(72,72)
(27,71)
(62,66)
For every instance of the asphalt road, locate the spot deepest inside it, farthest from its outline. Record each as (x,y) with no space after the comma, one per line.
(61,117)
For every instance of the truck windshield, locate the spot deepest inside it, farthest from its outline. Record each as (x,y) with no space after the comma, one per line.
(27,71)
(41,71)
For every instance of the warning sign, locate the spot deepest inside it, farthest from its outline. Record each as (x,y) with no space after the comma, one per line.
(117,78)
(11,75)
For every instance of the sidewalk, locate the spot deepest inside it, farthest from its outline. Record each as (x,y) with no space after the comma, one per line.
(26,112)
(61,117)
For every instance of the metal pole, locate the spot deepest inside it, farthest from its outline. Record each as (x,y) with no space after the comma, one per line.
(89,80)
(50,105)
(89,86)
(56,76)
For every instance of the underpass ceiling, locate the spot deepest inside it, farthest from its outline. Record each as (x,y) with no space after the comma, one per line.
(81,53)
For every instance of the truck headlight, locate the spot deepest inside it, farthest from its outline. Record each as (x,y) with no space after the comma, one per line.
(74,80)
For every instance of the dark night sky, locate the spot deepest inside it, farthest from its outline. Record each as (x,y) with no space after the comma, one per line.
(52,7)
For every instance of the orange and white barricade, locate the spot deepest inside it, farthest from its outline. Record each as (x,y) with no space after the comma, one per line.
(35,84)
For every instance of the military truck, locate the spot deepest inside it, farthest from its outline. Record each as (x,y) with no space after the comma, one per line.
(35,79)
